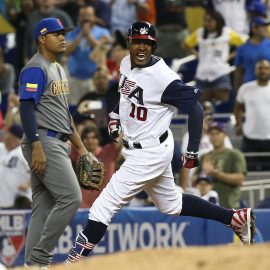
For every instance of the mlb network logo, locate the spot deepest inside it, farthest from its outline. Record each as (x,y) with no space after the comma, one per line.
(12,237)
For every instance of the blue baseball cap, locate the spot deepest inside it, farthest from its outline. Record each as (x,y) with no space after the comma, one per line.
(257,7)
(204,177)
(16,130)
(49,25)
(216,125)
(259,21)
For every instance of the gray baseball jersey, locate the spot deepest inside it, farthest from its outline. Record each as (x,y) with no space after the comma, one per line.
(47,84)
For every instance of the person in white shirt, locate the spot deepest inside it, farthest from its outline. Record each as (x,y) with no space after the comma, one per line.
(253,99)
(14,170)
(213,41)
(234,13)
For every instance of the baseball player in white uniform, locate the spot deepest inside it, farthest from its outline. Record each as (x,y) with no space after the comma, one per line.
(149,92)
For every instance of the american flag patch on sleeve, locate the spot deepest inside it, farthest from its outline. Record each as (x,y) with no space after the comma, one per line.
(31,87)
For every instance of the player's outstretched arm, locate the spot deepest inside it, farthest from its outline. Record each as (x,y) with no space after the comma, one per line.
(195,121)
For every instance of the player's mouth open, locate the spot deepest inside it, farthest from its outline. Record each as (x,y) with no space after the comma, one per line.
(141,56)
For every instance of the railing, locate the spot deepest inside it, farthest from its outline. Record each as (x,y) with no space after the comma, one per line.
(253,192)
(177,63)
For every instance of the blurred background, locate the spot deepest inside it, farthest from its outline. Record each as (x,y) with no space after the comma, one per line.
(221,47)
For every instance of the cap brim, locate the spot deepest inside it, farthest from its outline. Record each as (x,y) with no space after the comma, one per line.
(216,128)
(265,23)
(68,29)
(65,29)
(146,37)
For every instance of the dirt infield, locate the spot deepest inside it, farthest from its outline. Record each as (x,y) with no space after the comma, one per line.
(232,257)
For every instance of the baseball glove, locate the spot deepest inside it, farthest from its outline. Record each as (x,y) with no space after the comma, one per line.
(90,172)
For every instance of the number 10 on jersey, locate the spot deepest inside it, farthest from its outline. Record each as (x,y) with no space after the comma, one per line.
(138,112)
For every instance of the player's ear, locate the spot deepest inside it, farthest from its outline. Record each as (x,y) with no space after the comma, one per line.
(41,40)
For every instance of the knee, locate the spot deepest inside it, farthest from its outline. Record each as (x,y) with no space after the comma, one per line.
(77,199)
(73,200)
(172,209)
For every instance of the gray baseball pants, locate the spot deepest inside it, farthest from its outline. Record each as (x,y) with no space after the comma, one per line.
(56,198)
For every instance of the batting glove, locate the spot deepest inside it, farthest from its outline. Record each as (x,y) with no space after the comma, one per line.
(190,160)
(114,128)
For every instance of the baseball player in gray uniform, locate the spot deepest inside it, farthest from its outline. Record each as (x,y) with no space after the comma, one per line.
(149,91)
(47,126)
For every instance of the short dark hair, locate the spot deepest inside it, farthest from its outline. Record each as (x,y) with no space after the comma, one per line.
(88,130)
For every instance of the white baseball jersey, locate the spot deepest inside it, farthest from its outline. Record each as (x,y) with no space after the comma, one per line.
(14,171)
(211,196)
(3,153)
(142,111)
(213,52)
(234,13)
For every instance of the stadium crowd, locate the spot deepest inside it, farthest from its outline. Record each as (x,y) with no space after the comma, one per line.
(232,34)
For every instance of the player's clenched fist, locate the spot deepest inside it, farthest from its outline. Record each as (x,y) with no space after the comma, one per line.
(114,128)
(190,160)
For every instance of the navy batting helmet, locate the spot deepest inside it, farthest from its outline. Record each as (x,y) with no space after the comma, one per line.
(143,30)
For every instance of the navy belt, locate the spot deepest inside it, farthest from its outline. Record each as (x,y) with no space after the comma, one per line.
(61,136)
(138,145)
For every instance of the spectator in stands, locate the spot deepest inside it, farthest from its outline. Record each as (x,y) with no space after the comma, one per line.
(103,12)
(71,8)
(18,19)
(118,52)
(205,144)
(14,170)
(147,13)
(107,154)
(234,13)
(256,48)
(214,41)
(46,9)
(107,55)
(256,9)
(12,114)
(99,54)
(105,90)
(172,29)
(7,80)
(253,99)
(100,102)
(227,167)
(124,13)
(7,75)
(82,121)
(81,42)
(204,185)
